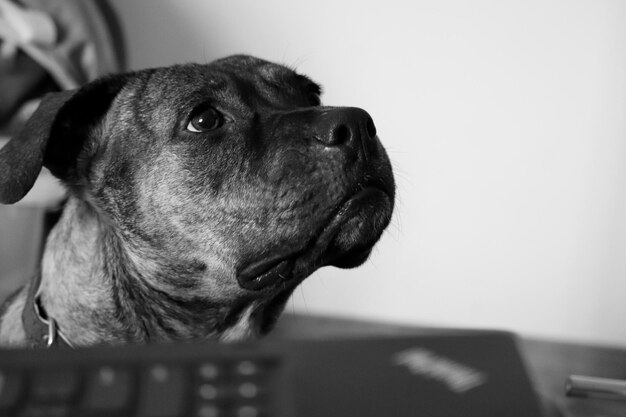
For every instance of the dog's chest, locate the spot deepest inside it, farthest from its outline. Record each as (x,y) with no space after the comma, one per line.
(242,329)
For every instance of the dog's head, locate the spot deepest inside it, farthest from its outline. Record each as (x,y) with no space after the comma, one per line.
(231,174)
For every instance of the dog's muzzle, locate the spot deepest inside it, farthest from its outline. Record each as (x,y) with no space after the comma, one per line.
(356,224)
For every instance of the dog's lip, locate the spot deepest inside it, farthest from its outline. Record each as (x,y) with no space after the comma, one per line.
(283,270)
(265,273)
(365,193)
(372,195)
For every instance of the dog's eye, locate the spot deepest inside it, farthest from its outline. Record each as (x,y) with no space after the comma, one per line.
(205,119)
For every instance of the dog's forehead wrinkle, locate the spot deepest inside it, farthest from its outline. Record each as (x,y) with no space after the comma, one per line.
(278,75)
(263,83)
(126,129)
(143,105)
(182,87)
(286,78)
(132,98)
(233,84)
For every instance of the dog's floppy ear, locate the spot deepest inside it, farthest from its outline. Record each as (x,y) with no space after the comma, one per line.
(54,136)
(21,159)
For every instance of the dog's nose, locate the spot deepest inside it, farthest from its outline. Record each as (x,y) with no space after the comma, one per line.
(345,125)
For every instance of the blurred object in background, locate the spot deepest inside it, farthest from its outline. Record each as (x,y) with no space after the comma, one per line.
(49,45)
(45,46)
(20,244)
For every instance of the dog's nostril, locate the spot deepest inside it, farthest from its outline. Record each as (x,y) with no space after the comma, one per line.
(371,128)
(341,134)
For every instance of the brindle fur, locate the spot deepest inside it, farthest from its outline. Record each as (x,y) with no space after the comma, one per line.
(160,221)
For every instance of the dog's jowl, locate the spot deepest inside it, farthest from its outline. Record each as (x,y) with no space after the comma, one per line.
(199,197)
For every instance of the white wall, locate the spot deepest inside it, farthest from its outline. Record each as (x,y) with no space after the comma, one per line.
(506,125)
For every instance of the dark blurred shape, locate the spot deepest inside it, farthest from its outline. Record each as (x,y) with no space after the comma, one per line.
(48,45)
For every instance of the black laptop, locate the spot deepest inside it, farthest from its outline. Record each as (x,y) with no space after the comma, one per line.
(468,374)
(462,375)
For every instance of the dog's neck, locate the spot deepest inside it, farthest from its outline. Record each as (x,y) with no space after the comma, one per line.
(100,289)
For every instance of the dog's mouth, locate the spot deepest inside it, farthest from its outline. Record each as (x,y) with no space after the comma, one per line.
(266,273)
(345,241)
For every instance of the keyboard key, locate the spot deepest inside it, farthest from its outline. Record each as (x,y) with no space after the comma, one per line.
(249,390)
(210,410)
(249,411)
(209,392)
(108,390)
(54,386)
(244,391)
(11,390)
(47,411)
(247,368)
(209,371)
(163,392)
(222,392)
(253,369)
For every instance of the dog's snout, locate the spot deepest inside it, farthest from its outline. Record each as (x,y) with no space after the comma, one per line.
(345,125)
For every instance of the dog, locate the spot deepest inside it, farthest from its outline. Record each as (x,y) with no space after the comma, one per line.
(199,197)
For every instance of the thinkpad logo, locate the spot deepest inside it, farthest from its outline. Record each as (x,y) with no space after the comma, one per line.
(457,377)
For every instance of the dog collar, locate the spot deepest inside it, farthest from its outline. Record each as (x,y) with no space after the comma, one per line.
(41,330)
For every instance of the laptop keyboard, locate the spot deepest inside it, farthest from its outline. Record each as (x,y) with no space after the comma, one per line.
(233,386)
(351,377)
